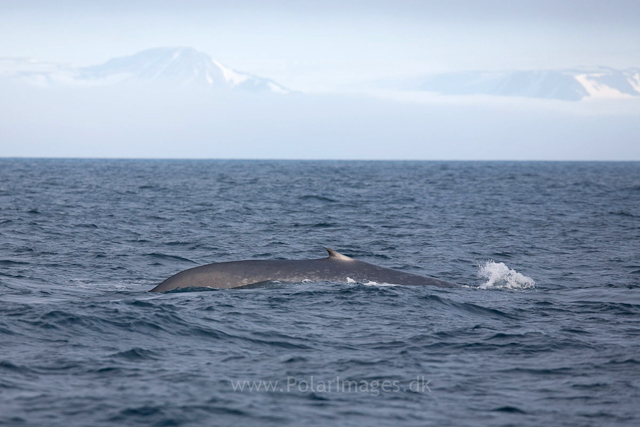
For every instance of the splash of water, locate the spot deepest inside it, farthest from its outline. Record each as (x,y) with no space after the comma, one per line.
(499,276)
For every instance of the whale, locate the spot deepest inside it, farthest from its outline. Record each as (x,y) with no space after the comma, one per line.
(251,273)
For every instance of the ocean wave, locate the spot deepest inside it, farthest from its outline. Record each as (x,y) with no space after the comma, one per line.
(83,342)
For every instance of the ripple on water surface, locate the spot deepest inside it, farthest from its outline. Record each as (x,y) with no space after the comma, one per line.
(543,330)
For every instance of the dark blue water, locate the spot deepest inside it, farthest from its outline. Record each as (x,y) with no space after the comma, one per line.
(82,342)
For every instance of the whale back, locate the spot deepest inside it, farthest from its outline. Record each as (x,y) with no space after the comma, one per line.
(334,268)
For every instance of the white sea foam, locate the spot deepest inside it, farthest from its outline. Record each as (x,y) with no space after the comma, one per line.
(499,276)
(370,283)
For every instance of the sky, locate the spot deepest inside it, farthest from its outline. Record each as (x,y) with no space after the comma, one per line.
(326,50)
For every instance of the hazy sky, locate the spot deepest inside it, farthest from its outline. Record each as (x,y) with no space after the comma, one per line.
(324,45)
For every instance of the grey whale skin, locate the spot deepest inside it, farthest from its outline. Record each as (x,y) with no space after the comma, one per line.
(335,268)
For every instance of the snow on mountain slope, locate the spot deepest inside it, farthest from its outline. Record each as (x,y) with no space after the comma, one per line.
(165,66)
(182,67)
(610,83)
(569,85)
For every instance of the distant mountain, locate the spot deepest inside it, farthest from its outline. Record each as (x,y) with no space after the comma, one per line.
(570,85)
(165,66)
(183,67)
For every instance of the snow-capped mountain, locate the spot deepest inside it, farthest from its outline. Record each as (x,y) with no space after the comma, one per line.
(165,66)
(570,85)
(182,67)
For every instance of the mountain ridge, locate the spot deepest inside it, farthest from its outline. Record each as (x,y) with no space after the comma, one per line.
(572,84)
(186,67)
(165,66)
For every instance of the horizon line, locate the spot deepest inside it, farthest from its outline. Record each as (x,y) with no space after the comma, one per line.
(2,158)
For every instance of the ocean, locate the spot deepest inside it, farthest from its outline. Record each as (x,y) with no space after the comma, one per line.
(544,328)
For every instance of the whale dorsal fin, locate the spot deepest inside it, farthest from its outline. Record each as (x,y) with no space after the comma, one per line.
(336,255)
